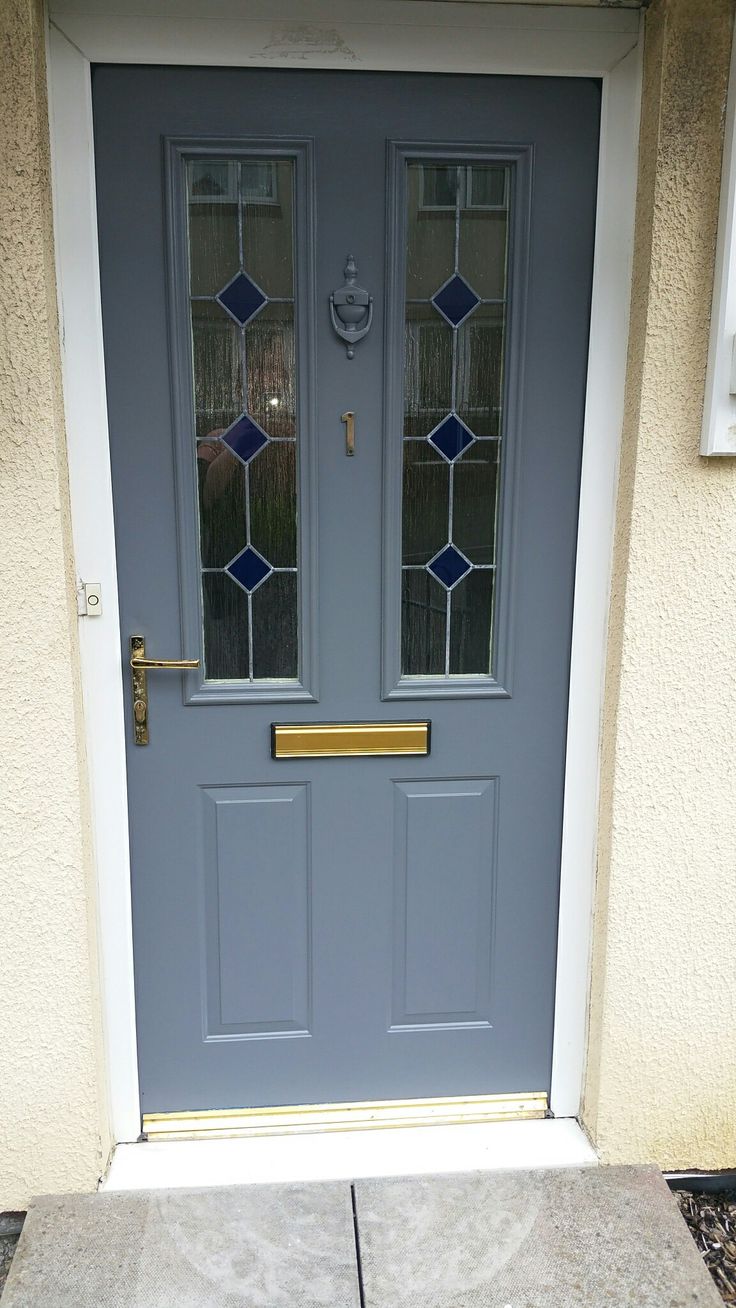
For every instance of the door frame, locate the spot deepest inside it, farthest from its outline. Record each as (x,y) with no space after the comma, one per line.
(401,35)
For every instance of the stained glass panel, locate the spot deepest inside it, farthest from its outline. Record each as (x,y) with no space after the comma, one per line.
(457,257)
(241,262)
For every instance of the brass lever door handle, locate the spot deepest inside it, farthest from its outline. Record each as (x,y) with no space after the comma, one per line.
(140,666)
(147,664)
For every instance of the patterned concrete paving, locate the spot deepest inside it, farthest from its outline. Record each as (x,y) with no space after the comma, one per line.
(597,1236)
(594,1237)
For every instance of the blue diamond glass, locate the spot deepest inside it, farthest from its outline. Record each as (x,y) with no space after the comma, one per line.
(451,438)
(245,438)
(241,298)
(455,300)
(249,569)
(449,566)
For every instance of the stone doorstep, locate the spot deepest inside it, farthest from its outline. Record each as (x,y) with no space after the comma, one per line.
(604,1237)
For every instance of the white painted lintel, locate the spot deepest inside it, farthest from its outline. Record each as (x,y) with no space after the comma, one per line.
(426,35)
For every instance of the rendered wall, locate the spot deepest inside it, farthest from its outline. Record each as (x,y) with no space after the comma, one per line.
(661,1078)
(662,1060)
(50,1099)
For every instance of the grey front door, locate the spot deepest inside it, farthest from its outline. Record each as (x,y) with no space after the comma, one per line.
(311,930)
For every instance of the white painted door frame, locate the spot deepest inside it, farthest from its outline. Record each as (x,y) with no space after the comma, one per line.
(401,35)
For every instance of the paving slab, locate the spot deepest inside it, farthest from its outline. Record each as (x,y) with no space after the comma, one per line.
(603,1237)
(285,1246)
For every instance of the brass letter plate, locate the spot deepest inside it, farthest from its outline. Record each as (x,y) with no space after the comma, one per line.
(332,739)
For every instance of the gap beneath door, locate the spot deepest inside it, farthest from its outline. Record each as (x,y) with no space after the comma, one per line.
(400,1151)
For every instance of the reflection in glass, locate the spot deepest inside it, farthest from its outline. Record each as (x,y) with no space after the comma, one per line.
(426,478)
(213,242)
(423,625)
(267,226)
(273,503)
(427,370)
(221,478)
(457,257)
(218,386)
(471,622)
(226,623)
(275,649)
(431,231)
(479,375)
(474,502)
(241,267)
(269,350)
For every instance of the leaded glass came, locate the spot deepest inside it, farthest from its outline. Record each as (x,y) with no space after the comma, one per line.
(456,290)
(241,261)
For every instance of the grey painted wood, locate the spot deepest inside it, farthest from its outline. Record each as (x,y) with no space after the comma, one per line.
(443,925)
(255,871)
(505,754)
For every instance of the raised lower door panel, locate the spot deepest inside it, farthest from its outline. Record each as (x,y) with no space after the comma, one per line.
(255,873)
(444,874)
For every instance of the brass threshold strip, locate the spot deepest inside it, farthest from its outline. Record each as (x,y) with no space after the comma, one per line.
(304,1119)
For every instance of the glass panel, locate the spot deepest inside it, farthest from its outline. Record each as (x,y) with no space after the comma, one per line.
(457,255)
(455,300)
(474,502)
(487,186)
(430,230)
(483,238)
(268,226)
(426,476)
(213,226)
(428,370)
(438,188)
(226,628)
(221,478)
(269,350)
(273,503)
(479,378)
(218,384)
(423,624)
(243,355)
(242,299)
(275,646)
(249,569)
(471,622)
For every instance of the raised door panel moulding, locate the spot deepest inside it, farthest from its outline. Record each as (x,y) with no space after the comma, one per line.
(255,875)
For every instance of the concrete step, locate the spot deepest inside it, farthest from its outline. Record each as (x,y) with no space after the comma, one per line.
(604,1237)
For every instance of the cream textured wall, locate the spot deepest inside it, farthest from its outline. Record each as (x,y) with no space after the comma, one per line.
(661,1080)
(51,1104)
(662,1061)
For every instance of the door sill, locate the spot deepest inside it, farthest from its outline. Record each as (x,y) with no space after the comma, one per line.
(303,1119)
(334,1156)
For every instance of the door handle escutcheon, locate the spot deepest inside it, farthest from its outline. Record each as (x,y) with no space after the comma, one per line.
(140,667)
